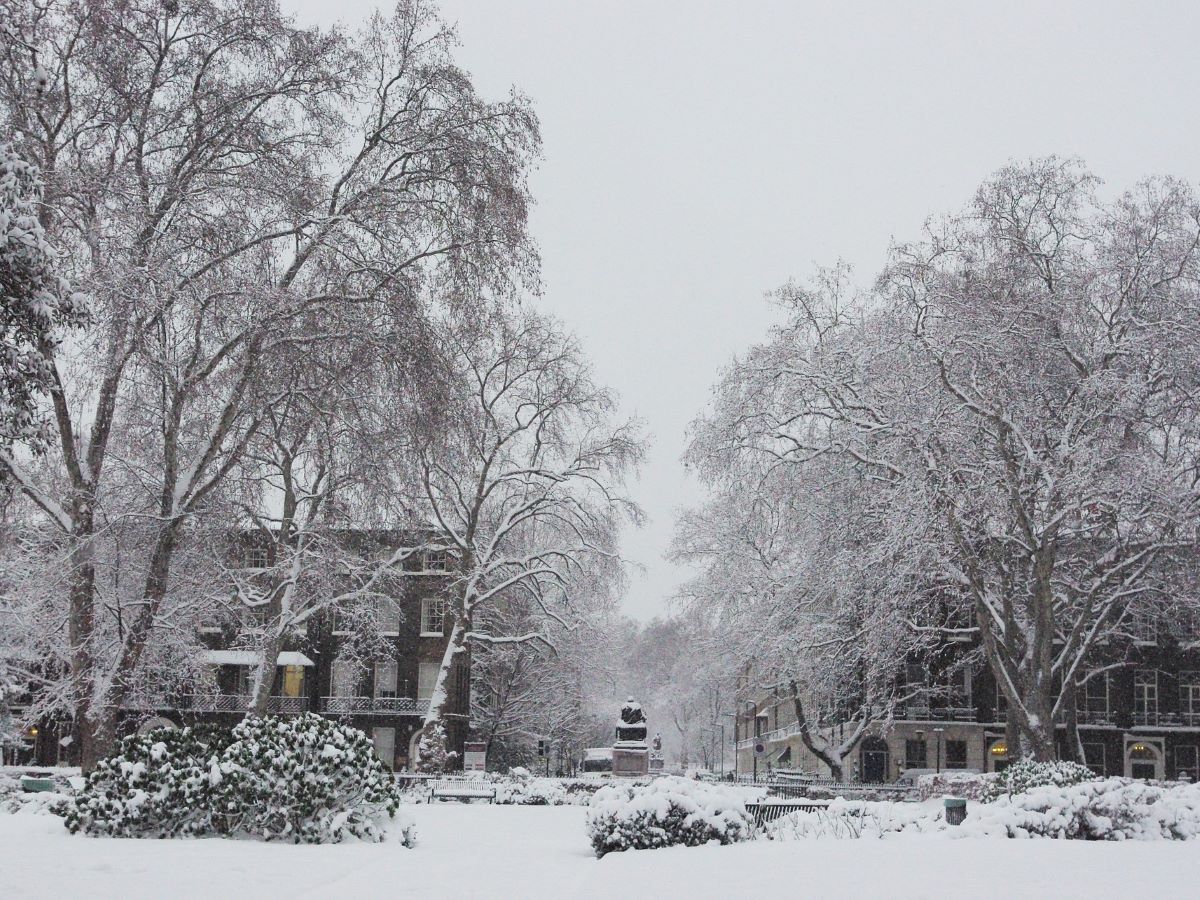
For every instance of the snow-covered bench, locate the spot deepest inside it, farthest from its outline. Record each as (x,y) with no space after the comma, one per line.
(764,811)
(461,790)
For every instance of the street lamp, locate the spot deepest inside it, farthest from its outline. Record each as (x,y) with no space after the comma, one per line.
(731,715)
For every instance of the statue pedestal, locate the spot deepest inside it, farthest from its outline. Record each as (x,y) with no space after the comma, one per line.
(631,759)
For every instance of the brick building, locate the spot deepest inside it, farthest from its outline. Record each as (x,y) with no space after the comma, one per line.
(387,698)
(1138,718)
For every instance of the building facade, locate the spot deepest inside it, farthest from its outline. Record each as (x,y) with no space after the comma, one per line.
(1139,717)
(386,697)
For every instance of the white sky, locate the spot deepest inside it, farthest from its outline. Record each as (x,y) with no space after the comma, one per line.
(697,154)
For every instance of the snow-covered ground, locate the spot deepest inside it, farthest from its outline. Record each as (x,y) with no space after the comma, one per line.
(479,851)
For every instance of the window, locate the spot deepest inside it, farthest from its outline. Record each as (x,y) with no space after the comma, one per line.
(1093,757)
(1095,694)
(958,687)
(437,560)
(1145,692)
(1143,626)
(386,676)
(427,674)
(1189,693)
(293,681)
(914,674)
(1187,762)
(915,754)
(387,612)
(385,745)
(956,754)
(1001,702)
(433,616)
(255,557)
(344,678)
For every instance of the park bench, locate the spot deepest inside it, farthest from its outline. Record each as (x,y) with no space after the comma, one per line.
(764,811)
(461,790)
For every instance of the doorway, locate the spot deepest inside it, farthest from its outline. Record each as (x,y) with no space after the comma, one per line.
(1143,760)
(874,756)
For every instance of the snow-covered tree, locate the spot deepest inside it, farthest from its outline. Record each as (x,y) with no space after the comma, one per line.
(214,175)
(523,486)
(36,302)
(1013,403)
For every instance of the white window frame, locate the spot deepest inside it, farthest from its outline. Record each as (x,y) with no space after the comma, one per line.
(429,615)
(343,677)
(388,610)
(1189,692)
(381,668)
(250,556)
(437,560)
(1101,679)
(1141,694)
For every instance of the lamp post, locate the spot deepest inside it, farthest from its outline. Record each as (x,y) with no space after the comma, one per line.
(731,715)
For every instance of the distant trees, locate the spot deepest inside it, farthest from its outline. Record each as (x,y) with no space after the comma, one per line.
(1010,417)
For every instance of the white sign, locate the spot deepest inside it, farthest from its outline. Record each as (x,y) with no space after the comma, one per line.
(474,757)
(760,748)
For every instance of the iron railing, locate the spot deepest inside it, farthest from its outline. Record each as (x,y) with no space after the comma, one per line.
(216,703)
(388,706)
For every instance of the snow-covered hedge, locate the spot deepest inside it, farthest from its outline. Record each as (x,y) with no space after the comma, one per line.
(855,819)
(305,779)
(666,812)
(1026,774)
(532,792)
(1110,809)
(969,785)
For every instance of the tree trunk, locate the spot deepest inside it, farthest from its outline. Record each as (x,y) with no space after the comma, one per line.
(432,749)
(264,677)
(825,754)
(97,737)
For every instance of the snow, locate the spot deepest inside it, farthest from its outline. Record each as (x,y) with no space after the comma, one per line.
(482,851)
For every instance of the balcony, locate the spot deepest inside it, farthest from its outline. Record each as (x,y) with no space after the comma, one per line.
(913,712)
(1096,717)
(378,706)
(216,703)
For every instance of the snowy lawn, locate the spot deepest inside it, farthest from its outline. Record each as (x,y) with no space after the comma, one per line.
(480,851)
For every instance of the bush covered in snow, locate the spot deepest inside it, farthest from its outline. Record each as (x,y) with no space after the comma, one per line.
(158,784)
(1110,809)
(666,812)
(1027,774)
(855,819)
(969,785)
(304,779)
(532,792)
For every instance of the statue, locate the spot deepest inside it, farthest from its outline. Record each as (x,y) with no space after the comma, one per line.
(632,726)
(631,756)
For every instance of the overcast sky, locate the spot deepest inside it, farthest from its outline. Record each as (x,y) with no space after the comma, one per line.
(699,154)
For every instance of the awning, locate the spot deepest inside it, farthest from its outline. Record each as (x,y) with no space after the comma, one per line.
(250,658)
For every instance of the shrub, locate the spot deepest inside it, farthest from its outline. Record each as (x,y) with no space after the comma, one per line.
(531,792)
(306,779)
(1110,809)
(158,784)
(666,812)
(969,785)
(1027,774)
